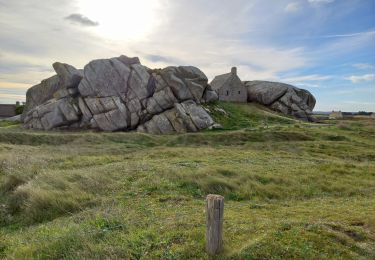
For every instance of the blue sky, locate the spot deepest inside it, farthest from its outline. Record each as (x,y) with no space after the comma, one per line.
(325,46)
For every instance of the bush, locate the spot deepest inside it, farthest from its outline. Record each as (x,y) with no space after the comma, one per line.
(19,109)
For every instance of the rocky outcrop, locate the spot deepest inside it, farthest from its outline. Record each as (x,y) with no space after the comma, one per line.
(120,94)
(283,98)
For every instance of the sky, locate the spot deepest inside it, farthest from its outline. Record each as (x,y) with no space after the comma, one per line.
(324,46)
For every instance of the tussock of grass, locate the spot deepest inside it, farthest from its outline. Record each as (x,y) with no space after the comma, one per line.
(11,183)
(292,190)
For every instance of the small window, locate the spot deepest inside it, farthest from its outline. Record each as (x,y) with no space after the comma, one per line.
(227,93)
(239,92)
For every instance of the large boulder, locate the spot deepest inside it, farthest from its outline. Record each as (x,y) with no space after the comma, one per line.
(120,94)
(283,98)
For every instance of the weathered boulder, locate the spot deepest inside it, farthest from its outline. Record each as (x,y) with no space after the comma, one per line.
(283,98)
(63,84)
(183,117)
(210,95)
(52,114)
(120,94)
(40,93)
(69,77)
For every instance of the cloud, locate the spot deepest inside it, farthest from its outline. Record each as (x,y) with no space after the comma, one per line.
(159,58)
(12,85)
(304,81)
(292,7)
(357,79)
(313,77)
(11,98)
(321,1)
(369,33)
(214,40)
(339,47)
(45,40)
(81,20)
(363,66)
(307,85)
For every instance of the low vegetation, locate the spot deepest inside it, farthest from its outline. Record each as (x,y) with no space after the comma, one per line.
(292,190)
(19,109)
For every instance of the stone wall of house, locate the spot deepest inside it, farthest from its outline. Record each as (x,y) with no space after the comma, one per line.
(233,91)
(7,110)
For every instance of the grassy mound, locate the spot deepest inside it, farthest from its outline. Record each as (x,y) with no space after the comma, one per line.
(292,190)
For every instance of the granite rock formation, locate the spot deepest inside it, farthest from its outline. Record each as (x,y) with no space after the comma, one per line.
(120,94)
(283,98)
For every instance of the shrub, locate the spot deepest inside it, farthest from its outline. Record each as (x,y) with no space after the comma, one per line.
(19,109)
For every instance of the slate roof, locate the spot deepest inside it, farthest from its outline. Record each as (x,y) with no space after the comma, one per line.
(220,80)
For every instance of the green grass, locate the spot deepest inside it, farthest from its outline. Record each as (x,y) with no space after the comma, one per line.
(292,190)
(7,123)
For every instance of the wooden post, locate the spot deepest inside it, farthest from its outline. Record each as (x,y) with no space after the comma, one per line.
(214,223)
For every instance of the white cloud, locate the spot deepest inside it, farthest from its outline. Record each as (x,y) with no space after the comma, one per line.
(199,33)
(307,85)
(296,6)
(306,81)
(364,66)
(11,98)
(313,77)
(293,7)
(13,85)
(320,1)
(340,47)
(357,79)
(368,33)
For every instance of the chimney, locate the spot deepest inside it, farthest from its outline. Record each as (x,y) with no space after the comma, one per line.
(234,70)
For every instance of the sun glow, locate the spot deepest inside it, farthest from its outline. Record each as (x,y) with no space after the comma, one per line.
(122,19)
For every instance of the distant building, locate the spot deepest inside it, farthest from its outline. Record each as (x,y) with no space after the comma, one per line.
(7,110)
(229,87)
(336,115)
(372,115)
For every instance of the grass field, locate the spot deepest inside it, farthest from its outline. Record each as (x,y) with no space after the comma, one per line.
(292,190)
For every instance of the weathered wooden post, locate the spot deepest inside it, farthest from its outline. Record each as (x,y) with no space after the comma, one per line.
(214,223)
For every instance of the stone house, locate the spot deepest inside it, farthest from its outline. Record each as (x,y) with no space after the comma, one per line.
(336,115)
(7,110)
(229,87)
